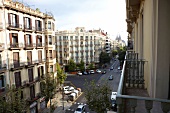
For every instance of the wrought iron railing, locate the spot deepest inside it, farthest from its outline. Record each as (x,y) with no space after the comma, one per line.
(133,76)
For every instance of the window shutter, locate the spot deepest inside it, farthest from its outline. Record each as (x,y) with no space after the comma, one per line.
(35,24)
(9,19)
(18,21)
(30,23)
(40,25)
(10,37)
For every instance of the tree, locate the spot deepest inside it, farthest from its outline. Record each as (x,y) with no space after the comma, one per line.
(61,76)
(13,102)
(90,66)
(114,53)
(48,87)
(98,97)
(104,58)
(72,65)
(81,65)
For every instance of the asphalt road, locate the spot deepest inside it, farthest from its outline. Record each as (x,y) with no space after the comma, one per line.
(79,81)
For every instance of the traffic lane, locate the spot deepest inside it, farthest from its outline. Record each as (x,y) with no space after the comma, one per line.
(116,79)
(79,81)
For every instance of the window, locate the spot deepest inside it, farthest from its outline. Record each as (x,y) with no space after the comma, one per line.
(39,40)
(50,54)
(13,39)
(38,25)
(17,79)
(51,68)
(28,40)
(91,37)
(49,24)
(27,23)
(81,37)
(13,20)
(16,59)
(32,92)
(30,75)
(2,81)
(71,37)
(29,57)
(50,39)
(40,56)
(86,37)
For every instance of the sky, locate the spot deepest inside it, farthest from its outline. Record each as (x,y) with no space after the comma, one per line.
(108,15)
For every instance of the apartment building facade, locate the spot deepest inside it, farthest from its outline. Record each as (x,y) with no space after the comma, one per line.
(79,44)
(24,42)
(148,28)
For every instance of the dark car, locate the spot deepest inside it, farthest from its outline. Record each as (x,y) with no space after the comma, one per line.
(114,105)
(85,73)
(111,77)
(104,72)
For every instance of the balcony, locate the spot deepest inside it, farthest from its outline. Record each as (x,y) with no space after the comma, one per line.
(14,26)
(1,26)
(40,61)
(17,66)
(29,29)
(2,46)
(3,68)
(39,30)
(132,97)
(34,98)
(2,89)
(15,46)
(29,46)
(29,64)
(40,45)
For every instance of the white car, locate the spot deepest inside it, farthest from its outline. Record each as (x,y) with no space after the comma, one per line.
(91,71)
(65,88)
(113,95)
(98,71)
(79,73)
(80,109)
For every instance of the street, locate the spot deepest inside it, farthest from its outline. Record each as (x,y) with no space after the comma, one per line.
(79,81)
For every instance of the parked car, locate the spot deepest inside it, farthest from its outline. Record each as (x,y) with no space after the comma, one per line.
(85,73)
(98,71)
(79,73)
(65,88)
(111,77)
(104,72)
(91,71)
(80,109)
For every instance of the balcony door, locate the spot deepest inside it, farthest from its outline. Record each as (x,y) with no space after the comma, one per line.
(16,59)
(17,79)
(28,40)
(40,56)
(29,57)
(30,75)
(32,92)
(13,20)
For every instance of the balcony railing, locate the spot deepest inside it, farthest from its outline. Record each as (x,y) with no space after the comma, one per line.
(132,77)
(29,28)
(2,46)
(15,26)
(3,67)
(39,29)
(15,46)
(29,45)
(17,65)
(40,45)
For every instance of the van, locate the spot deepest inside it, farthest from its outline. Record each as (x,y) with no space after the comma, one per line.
(113,101)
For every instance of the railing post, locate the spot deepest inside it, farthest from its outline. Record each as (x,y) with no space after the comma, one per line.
(119,104)
(148,105)
(165,107)
(133,104)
